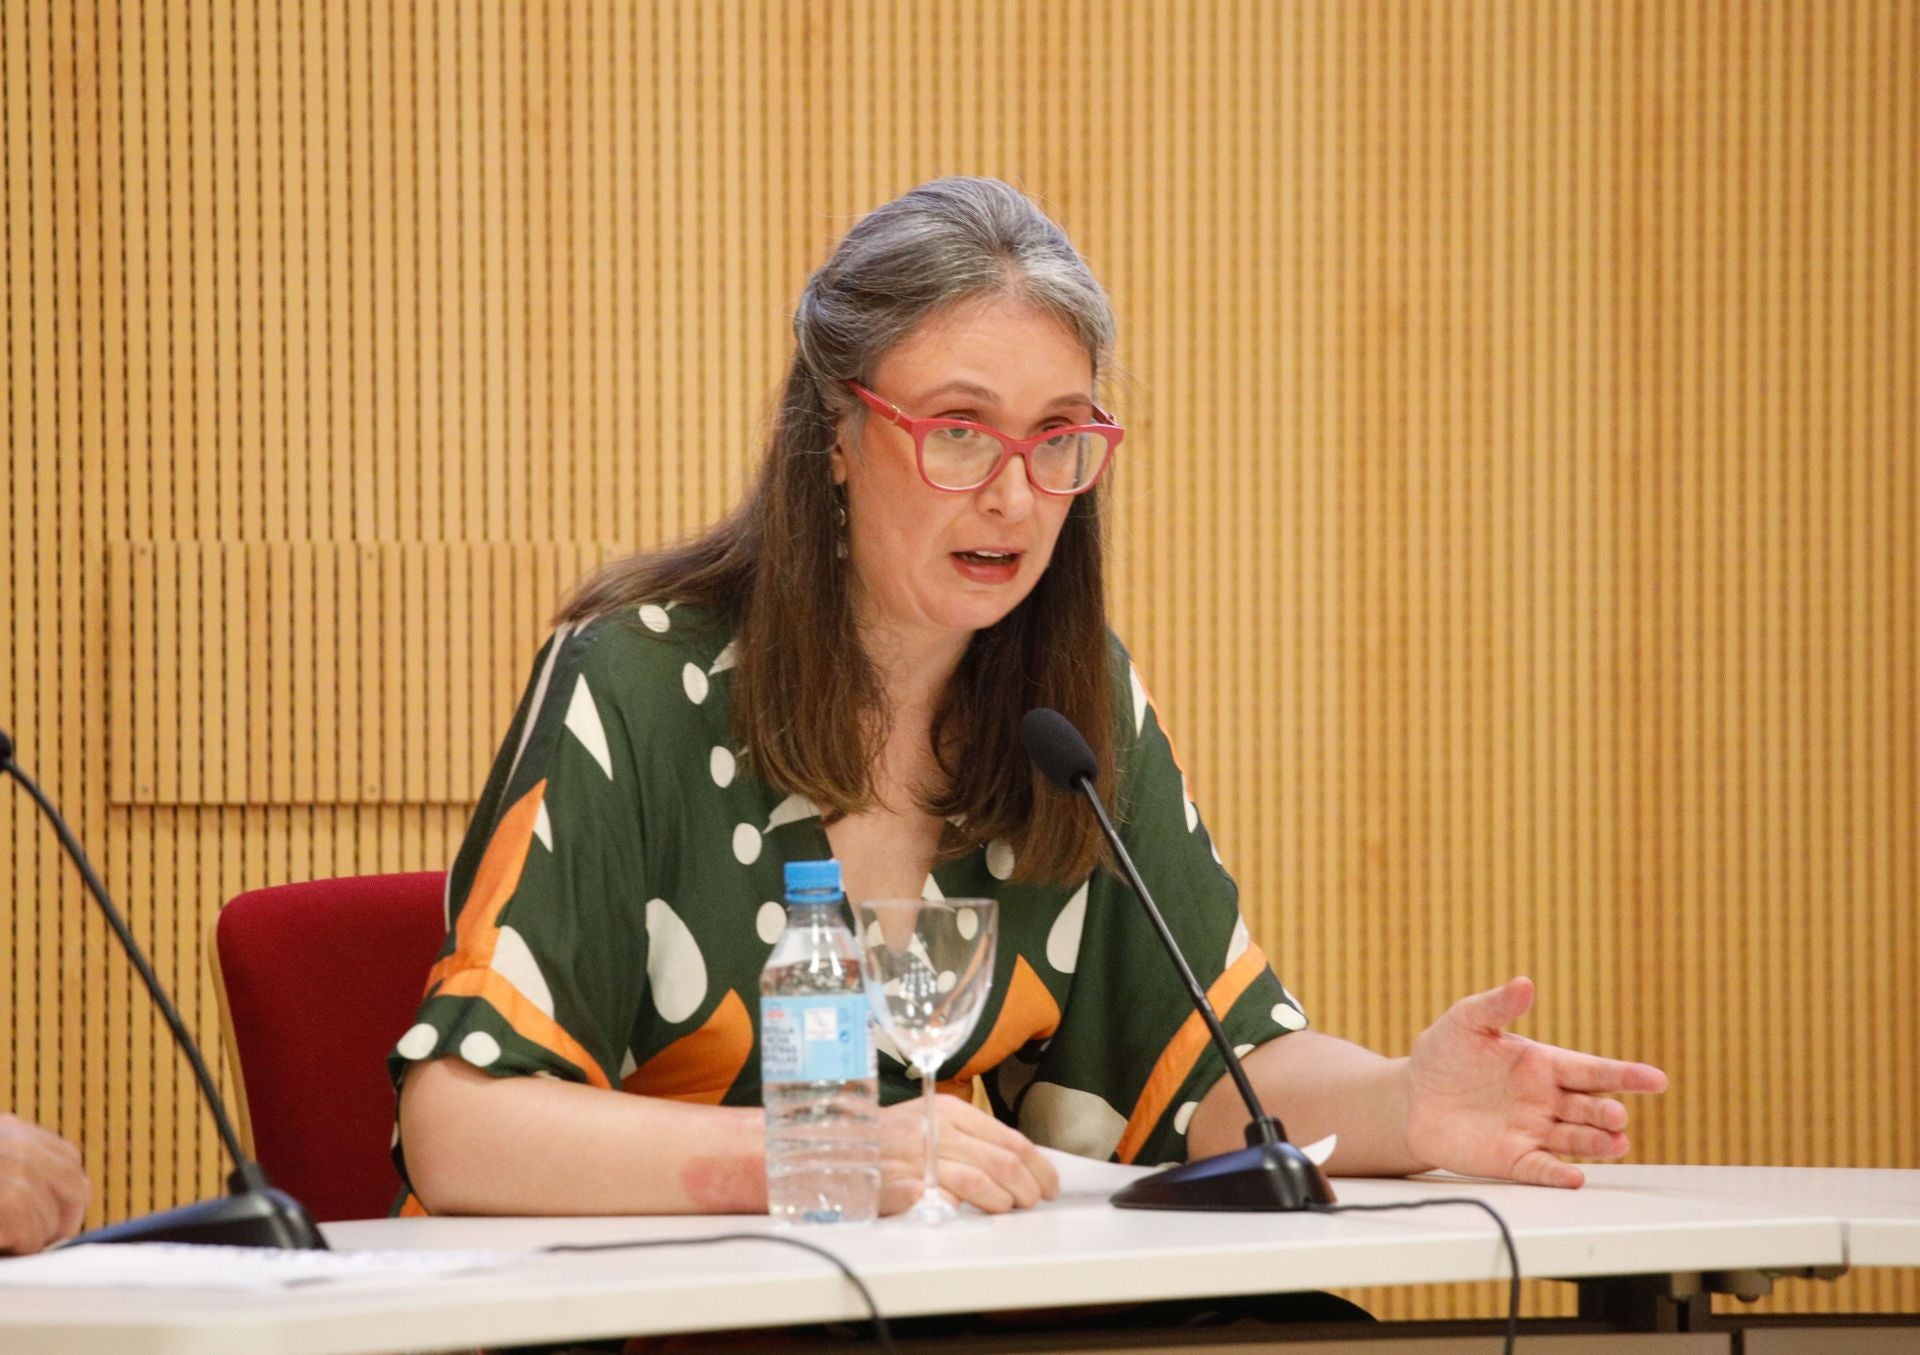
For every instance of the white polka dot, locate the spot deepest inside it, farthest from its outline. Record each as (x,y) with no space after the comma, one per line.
(513,961)
(1139,698)
(966,921)
(746,844)
(628,1065)
(543,826)
(1071,1120)
(931,890)
(1184,1116)
(1288,1016)
(770,922)
(793,809)
(479,1049)
(1193,816)
(999,860)
(874,935)
(695,682)
(583,721)
(946,980)
(676,971)
(724,661)
(419,1041)
(1063,938)
(654,618)
(721,764)
(1240,1051)
(1214,847)
(1237,946)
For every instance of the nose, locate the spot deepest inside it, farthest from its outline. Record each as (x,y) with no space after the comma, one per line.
(1008,495)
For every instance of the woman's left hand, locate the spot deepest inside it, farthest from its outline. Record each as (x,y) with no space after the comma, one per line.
(1487,1102)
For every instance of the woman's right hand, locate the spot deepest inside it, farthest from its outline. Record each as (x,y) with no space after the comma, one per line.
(984,1163)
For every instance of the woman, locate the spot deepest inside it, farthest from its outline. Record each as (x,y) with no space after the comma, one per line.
(839,668)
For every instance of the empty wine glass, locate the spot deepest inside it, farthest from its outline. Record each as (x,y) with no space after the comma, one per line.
(928,966)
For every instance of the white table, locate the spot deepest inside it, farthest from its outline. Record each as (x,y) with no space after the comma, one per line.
(1630,1221)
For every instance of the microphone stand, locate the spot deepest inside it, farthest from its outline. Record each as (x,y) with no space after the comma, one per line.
(1268,1175)
(253,1213)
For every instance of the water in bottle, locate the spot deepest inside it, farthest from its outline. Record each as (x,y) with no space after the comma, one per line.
(818,1071)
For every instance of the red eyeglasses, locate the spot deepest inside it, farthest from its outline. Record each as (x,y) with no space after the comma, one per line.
(958,455)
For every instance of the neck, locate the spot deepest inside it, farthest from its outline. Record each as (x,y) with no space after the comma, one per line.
(914,664)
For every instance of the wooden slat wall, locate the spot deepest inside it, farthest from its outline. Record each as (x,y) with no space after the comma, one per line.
(315,619)
(1517,525)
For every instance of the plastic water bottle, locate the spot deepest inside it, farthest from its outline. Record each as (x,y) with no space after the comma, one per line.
(818,1071)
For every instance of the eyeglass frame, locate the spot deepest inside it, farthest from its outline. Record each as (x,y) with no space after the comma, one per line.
(1106,429)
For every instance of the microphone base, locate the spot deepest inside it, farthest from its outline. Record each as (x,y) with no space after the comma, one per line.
(248,1218)
(1274,1178)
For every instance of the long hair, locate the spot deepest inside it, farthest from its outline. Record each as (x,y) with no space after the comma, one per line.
(807,707)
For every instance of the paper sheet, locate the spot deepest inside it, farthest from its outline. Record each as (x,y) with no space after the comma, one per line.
(174,1265)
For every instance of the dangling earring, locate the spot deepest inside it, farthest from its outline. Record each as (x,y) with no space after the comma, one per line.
(840,530)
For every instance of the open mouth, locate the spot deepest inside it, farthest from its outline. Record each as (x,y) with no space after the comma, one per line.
(987,557)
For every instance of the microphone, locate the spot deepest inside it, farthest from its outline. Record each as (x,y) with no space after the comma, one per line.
(253,1213)
(1269,1174)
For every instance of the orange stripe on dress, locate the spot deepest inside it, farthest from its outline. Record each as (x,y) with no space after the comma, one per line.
(1176,1061)
(702,1066)
(1028,1013)
(476,932)
(528,1021)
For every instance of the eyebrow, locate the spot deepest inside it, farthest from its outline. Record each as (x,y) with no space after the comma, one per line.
(985,396)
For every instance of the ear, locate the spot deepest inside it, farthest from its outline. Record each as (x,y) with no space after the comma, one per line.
(837,461)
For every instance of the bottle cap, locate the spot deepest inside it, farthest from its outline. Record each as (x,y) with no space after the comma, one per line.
(813,875)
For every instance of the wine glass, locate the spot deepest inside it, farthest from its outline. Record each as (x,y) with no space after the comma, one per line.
(928,966)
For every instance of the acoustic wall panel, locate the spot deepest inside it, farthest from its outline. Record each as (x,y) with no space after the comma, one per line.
(1517,522)
(301,672)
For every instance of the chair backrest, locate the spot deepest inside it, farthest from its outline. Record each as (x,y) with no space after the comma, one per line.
(317,981)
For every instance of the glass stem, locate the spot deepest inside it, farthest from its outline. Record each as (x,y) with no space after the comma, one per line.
(933,1131)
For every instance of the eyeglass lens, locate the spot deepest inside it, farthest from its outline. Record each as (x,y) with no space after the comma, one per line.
(963,458)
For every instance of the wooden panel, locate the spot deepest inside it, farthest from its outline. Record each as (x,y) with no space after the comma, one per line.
(1517,525)
(230,667)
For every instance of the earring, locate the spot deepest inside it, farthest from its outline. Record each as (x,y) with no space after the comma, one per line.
(840,530)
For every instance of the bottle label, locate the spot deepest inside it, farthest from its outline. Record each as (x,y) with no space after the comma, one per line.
(822,1038)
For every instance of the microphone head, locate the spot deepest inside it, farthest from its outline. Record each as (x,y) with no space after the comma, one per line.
(6,748)
(1058,749)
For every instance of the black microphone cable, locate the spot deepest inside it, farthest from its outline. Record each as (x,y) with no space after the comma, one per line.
(881,1331)
(1506,1236)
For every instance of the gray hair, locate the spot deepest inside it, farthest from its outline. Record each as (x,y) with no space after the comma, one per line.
(942,243)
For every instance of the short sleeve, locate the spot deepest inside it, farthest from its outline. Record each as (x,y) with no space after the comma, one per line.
(545,960)
(1126,1069)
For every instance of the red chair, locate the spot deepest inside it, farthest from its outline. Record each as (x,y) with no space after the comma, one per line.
(316,983)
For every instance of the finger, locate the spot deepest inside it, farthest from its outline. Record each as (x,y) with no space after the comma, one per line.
(72,1192)
(968,1184)
(1599,1111)
(1499,1007)
(1541,1168)
(1580,1140)
(976,1123)
(29,1219)
(1590,1073)
(997,1155)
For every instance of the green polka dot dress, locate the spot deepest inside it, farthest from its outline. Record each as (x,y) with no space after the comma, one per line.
(619,890)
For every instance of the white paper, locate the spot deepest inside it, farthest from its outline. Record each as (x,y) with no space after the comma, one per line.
(174,1265)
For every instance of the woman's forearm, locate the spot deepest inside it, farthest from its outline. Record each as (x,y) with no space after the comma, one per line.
(1317,1085)
(477,1144)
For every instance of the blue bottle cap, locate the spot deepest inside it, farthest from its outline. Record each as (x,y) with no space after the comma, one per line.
(813,875)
